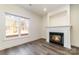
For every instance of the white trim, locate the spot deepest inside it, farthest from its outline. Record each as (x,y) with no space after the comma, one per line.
(16,15)
(57,26)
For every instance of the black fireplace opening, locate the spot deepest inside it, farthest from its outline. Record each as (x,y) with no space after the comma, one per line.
(57,38)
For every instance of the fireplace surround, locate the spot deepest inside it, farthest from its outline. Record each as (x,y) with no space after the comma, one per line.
(60,29)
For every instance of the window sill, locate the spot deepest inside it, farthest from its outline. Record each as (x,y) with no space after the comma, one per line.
(24,34)
(16,35)
(11,36)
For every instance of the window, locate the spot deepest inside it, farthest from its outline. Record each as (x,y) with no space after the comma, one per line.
(24,25)
(16,25)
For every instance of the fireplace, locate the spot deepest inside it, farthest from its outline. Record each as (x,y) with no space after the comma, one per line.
(59,32)
(57,38)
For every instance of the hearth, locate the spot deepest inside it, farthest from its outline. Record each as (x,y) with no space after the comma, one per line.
(57,38)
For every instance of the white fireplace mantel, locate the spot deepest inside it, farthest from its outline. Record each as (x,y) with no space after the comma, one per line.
(62,29)
(58,26)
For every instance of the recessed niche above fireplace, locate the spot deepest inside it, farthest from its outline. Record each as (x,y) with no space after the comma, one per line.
(56,37)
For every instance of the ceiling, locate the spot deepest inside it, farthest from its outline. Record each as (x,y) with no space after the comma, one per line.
(38,8)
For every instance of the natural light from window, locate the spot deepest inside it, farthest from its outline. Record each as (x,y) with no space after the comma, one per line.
(16,25)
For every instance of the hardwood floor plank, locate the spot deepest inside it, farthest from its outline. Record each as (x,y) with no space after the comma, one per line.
(40,47)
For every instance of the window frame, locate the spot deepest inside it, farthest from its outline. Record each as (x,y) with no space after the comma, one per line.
(19,31)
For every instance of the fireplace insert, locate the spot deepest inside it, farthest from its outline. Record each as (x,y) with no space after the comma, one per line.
(57,38)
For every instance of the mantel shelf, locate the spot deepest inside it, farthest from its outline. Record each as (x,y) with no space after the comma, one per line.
(58,26)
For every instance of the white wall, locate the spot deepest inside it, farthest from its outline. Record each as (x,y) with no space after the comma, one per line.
(44,24)
(59,19)
(75,25)
(35,26)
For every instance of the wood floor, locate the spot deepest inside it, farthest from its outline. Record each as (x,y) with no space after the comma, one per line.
(40,47)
